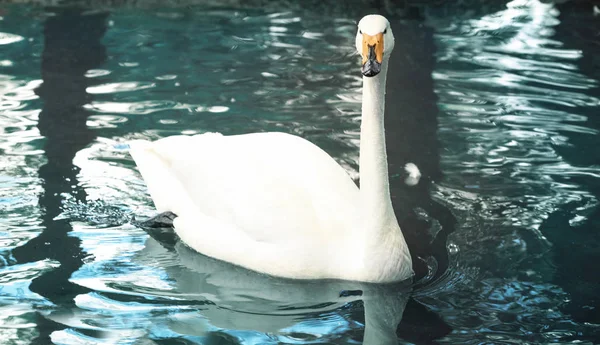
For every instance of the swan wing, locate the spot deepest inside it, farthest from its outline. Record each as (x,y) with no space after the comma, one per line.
(272,187)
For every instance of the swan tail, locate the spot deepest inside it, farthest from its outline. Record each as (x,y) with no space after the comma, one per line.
(163,185)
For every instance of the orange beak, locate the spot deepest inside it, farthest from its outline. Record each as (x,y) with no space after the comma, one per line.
(372,54)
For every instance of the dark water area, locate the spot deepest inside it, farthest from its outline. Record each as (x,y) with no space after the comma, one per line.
(496,102)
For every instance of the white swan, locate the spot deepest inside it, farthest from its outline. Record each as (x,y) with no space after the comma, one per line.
(276,203)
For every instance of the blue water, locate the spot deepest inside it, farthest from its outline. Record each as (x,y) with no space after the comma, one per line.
(496,103)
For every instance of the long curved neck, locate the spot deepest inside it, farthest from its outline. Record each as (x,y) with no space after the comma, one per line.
(374,181)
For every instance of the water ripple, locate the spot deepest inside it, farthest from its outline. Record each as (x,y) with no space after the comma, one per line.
(6,38)
(503,106)
(514,97)
(511,98)
(119,87)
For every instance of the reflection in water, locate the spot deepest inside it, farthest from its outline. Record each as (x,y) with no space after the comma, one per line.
(71,47)
(241,301)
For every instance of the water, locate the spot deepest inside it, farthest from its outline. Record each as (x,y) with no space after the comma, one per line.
(497,104)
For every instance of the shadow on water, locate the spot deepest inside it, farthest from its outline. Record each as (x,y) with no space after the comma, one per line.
(411,137)
(71,47)
(575,245)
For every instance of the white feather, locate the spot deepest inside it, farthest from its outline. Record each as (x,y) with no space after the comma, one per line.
(414,174)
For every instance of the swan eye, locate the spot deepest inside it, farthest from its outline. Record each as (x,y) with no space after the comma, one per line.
(360,31)
(385,31)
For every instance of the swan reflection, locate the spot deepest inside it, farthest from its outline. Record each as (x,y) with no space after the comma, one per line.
(234,299)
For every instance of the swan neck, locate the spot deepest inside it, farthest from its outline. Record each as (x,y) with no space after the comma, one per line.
(374,181)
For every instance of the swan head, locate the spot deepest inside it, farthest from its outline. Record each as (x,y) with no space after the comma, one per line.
(374,41)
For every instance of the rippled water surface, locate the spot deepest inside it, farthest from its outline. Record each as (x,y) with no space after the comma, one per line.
(497,104)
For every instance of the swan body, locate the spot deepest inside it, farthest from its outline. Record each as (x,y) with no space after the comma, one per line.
(276,203)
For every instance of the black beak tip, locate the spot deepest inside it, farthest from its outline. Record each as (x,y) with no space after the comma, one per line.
(371,68)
